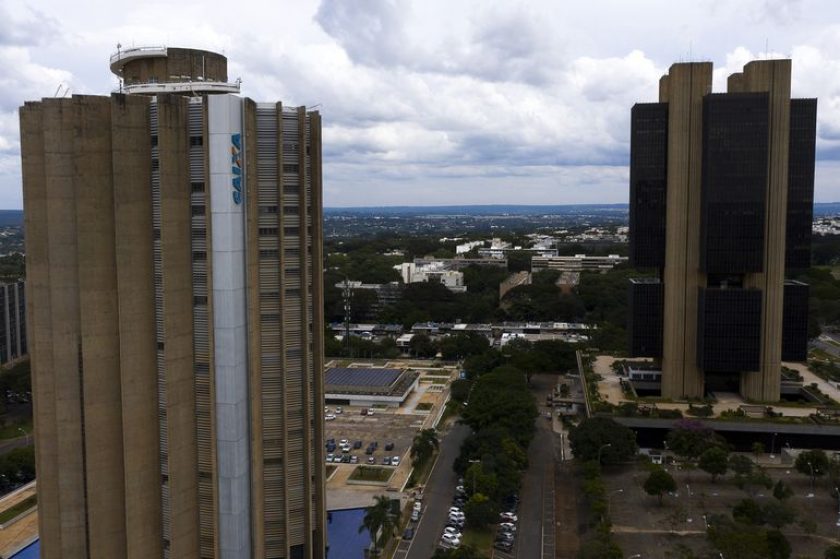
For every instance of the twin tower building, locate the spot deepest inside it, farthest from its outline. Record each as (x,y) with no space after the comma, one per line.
(721,202)
(174,268)
(174,298)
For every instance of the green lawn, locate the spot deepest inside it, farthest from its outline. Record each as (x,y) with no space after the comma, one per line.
(482,540)
(22,506)
(12,430)
(371,473)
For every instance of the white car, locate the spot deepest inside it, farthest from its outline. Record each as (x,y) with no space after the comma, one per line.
(454,509)
(457,516)
(507,527)
(418,505)
(338,410)
(329,417)
(395,461)
(330,457)
(508,517)
(452,532)
(343,442)
(370,411)
(450,539)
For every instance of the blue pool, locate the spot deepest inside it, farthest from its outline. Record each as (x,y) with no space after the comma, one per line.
(31,551)
(343,534)
(342,531)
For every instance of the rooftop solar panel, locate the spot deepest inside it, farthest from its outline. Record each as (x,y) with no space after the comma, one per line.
(340,376)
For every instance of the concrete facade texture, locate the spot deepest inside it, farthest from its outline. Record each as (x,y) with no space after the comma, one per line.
(174,266)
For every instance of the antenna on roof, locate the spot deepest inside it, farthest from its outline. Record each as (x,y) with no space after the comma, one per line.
(57,89)
(766,48)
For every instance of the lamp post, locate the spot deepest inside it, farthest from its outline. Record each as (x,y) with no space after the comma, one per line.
(25,435)
(773,446)
(600,448)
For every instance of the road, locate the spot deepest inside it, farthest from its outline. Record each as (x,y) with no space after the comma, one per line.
(437,498)
(537,483)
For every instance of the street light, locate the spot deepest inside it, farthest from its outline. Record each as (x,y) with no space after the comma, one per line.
(773,446)
(602,447)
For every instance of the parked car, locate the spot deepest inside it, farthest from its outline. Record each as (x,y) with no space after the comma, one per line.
(330,457)
(369,450)
(370,411)
(389,446)
(354,459)
(329,417)
(452,532)
(408,534)
(395,461)
(503,545)
(415,515)
(454,509)
(450,540)
(338,410)
(507,527)
(508,517)
(343,442)
(357,445)
(418,505)
(371,460)
(386,461)
(363,412)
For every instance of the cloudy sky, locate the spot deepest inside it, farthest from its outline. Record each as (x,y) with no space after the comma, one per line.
(431,102)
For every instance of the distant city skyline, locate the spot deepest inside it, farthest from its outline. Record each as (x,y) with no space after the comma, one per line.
(441,102)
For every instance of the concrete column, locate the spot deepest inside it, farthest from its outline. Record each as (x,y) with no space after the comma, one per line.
(685,87)
(772,76)
(135,279)
(39,325)
(178,326)
(99,328)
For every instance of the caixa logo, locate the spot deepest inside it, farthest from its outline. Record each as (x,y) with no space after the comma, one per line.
(236,166)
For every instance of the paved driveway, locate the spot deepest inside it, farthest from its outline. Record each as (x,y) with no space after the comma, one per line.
(536,507)
(437,497)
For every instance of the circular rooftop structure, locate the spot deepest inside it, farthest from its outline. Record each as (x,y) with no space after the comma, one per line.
(152,70)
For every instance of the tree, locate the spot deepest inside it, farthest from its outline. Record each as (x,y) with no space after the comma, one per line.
(690,438)
(463,552)
(778,514)
(480,511)
(740,464)
(421,346)
(602,437)
(756,478)
(735,539)
(778,546)
(658,483)
(832,552)
(378,518)
(747,511)
(782,491)
(423,446)
(758,448)
(714,461)
(813,463)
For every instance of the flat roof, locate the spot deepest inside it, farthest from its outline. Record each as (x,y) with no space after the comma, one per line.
(361,377)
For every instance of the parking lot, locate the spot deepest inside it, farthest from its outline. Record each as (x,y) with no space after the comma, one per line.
(384,427)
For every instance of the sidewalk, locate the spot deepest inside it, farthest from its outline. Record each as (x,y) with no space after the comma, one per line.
(25,530)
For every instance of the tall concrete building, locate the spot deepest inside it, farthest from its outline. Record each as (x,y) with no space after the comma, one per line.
(721,201)
(173,236)
(12,322)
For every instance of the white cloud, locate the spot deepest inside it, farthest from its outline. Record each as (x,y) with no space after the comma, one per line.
(441,100)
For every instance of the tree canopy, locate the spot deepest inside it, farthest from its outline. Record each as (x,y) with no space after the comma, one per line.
(615,442)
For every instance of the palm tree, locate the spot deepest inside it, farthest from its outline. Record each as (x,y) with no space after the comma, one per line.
(424,444)
(378,517)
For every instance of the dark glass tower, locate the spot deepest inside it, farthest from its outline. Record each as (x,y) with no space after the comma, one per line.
(721,201)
